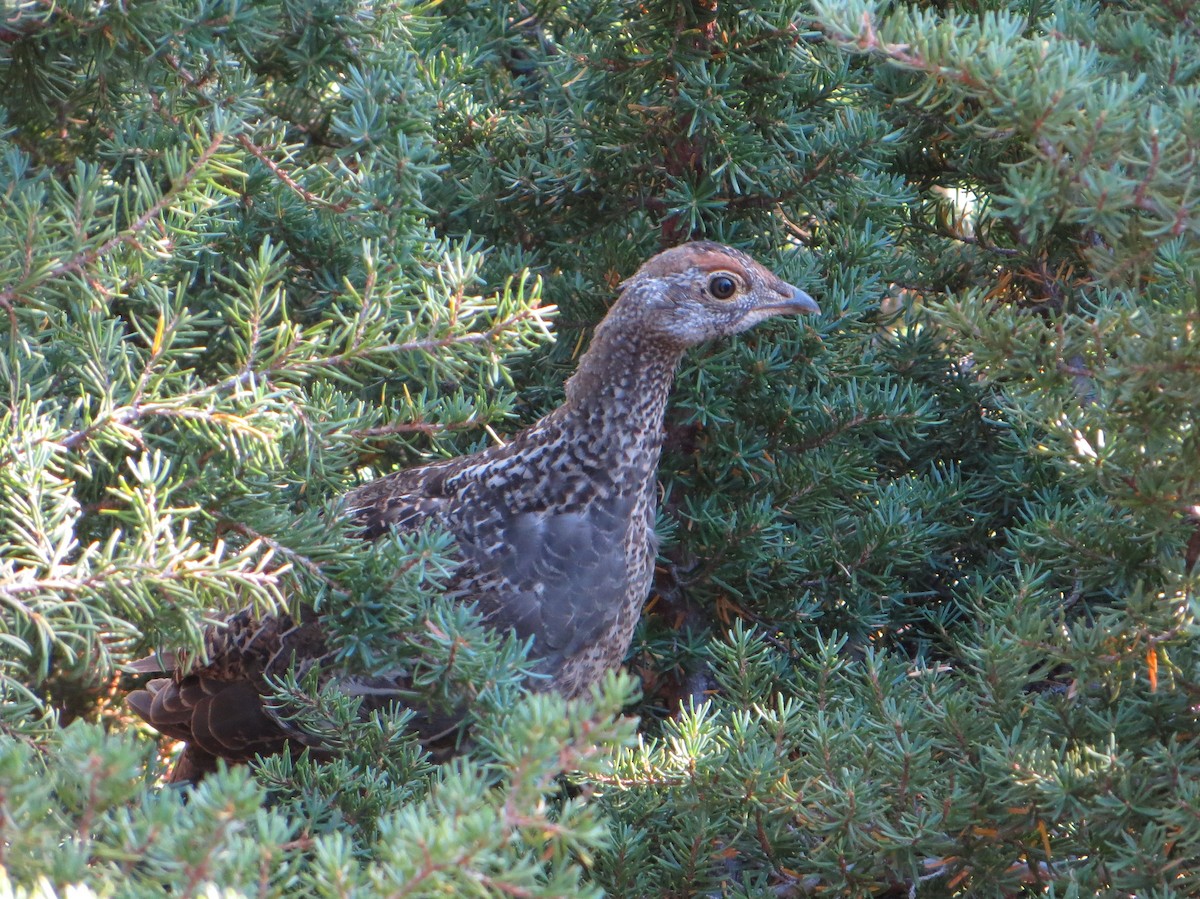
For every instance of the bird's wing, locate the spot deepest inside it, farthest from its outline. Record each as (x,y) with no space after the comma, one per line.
(561,577)
(402,501)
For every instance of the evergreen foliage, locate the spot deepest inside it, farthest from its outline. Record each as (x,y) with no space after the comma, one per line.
(924,620)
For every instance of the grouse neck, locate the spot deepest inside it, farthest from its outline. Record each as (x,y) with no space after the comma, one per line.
(622,383)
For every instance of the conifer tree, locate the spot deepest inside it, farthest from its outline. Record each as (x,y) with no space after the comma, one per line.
(924,618)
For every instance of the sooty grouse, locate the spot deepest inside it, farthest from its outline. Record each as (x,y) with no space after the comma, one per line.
(554,530)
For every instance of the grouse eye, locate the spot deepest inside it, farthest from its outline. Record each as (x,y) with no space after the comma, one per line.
(722,286)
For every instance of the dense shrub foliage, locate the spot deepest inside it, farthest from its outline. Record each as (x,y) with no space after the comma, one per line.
(924,618)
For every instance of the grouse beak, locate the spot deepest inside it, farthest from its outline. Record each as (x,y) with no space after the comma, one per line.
(799,303)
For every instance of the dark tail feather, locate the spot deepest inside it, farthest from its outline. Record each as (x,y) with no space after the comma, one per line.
(193,764)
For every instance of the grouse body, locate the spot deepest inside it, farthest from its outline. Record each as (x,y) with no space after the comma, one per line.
(554,530)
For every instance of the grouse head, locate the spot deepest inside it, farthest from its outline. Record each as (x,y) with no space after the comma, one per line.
(703,290)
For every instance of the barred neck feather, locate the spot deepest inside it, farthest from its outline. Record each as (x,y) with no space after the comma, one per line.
(618,394)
